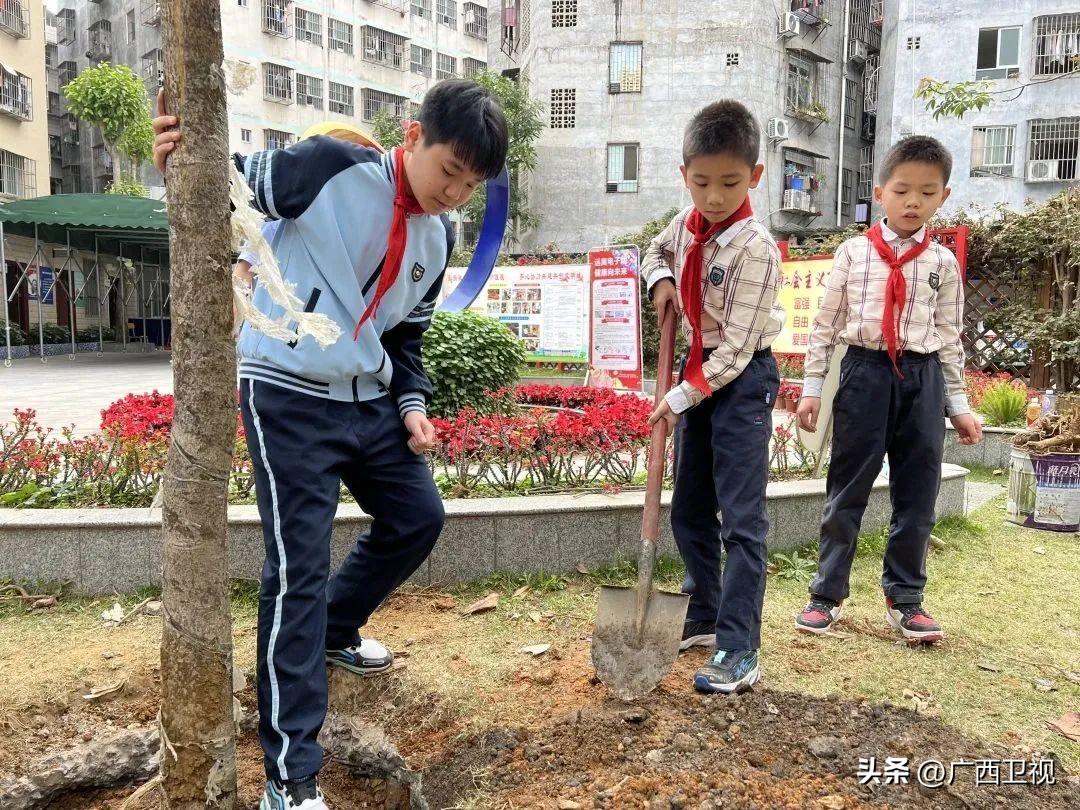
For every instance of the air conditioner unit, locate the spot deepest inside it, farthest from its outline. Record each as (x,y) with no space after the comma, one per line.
(1043,171)
(614,87)
(858,51)
(790,26)
(612,188)
(777,129)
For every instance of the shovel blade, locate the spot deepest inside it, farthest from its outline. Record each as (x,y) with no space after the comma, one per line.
(628,664)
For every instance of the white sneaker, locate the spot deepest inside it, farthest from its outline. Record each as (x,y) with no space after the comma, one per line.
(302,795)
(369,657)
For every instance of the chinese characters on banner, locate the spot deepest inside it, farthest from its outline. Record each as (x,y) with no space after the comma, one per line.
(614,318)
(802,287)
(544,305)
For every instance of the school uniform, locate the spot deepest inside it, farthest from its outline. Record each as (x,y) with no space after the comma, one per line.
(888,402)
(316,418)
(722,438)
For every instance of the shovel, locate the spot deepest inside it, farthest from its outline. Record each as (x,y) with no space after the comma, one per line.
(638,630)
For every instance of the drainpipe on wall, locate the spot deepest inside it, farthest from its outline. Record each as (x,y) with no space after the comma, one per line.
(843,107)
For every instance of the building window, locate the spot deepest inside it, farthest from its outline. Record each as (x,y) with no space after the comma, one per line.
(732,60)
(277,83)
(74,134)
(242,3)
(446,67)
(341,36)
(52,55)
(847,192)
(804,176)
(1053,147)
(422,9)
(563,108)
(384,48)
(54,104)
(341,99)
(421,61)
(992,151)
(375,102)
(67,72)
(622,167)
(851,103)
(474,19)
(15,18)
(470,67)
(276,17)
(245,136)
(16,96)
(153,65)
(278,139)
(55,147)
(564,13)
(309,91)
(914,43)
(99,45)
(624,67)
(131,27)
(309,26)
(805,88)
(999,53)
(65,24)
(1057,44)
(18,175)
(446,13)
(470,233)
(72,179)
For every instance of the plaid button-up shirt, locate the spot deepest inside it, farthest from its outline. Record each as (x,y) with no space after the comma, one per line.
(740,279)
(854,304)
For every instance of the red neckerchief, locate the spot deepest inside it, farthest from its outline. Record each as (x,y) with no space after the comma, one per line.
(702,232)
(405,205)
(895,288)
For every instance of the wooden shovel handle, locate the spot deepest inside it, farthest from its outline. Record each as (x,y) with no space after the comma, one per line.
(650,528)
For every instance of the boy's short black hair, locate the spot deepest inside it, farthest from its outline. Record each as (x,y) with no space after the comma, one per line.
(916,149)
(724,126)
(468,118)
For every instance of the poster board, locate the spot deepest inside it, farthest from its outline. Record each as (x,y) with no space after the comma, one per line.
(615,318)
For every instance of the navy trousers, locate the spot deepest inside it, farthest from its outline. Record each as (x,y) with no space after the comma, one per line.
(721,472)
(303,448)
(876,413)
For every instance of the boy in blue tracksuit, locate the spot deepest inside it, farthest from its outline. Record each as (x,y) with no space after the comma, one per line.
(365,240)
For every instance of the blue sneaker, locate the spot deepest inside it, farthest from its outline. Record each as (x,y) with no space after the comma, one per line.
(369,657)
(300,795)
(728,671)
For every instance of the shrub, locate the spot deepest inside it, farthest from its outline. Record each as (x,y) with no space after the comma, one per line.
(90,335)
(1003,404)
(467,355)
(50,332)
(139,416)
(18,336)
(976,383)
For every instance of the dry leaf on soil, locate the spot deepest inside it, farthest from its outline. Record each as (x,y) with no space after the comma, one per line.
(536,649)
(1068,725)
(489,602)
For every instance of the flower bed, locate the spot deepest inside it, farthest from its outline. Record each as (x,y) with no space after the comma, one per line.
(549,438)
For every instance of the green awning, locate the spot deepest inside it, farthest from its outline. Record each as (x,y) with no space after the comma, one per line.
(108,219)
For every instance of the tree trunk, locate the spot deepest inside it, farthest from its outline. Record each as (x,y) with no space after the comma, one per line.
(198,759)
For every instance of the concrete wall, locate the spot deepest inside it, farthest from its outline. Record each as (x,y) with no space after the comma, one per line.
(102,550)
(26,55)
(948,41)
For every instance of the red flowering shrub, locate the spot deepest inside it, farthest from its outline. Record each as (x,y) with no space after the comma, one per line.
(976,384)
(139,416)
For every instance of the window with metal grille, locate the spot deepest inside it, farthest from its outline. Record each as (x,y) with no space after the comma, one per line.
(72,179)
(15,18)
(851,103)
(153,63)
(16,97)
(1053,148)
(52,55)
(445,67)
(72,132)
(847,192)
(245,136)
(67,72)
(309,26)
(65,23)
(420,63)
(446,13)
(384,48)
(732,60)
(860,27)
(309,91)
(277,83)
(624,67)
(470,67)
(1057,44)
(622,168)
(914,43)
(341,99)
(871,74)
(99,46)
(805,87)
(422,9)
(278,139)
(150,13)
(804,179)
(474,21)
(18,175)
(470,233)
(341,36)
(992,151)
(563,108)
(55,108)
(376,101)
(564,13)
(55,147)
(999,53)
(131,27)
(275,18)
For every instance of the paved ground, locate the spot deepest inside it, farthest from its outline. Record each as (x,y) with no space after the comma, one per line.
(65,391)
